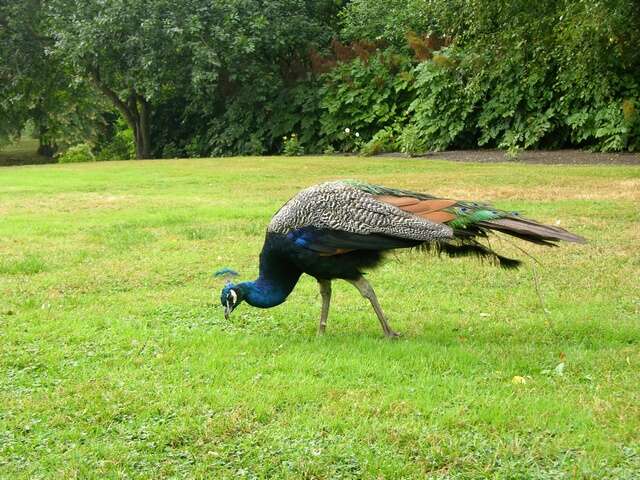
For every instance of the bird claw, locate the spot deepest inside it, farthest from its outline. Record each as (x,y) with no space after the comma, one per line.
(392,334)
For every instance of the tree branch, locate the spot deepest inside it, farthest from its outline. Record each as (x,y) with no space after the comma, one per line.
(94,77)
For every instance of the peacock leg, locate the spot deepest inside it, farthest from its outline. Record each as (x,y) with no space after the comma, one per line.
(325,292)
(366,290)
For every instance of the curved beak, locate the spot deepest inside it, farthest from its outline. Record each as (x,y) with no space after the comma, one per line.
(227,310)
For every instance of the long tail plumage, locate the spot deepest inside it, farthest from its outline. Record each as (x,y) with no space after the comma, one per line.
(531,230)
(350,215)
(471,222)
(468,232)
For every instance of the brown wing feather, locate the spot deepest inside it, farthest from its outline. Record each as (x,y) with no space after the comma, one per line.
(428,209)
(429,206)
(399,202)
(434,210)
(437,217)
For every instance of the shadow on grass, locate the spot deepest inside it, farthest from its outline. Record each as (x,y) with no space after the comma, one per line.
(23,152)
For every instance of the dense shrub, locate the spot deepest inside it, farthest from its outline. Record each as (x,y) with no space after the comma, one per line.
(518,74)
(77,154)
(365,96)
(291,146)
(389,21)
(445,103)
(249,119)
(383,141)
(598,82)
(218,78)
(120,145)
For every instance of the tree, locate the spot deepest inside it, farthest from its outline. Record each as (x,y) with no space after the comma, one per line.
(19,56)
(132,52)
(250,73)
(36,87)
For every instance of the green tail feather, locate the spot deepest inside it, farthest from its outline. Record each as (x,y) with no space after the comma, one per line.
(467,216)
(475,218)
(380,190)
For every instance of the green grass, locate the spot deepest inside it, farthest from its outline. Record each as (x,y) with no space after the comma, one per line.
(116,361)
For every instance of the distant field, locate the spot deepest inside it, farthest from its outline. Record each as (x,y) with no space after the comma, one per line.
(116,361)
(24,151)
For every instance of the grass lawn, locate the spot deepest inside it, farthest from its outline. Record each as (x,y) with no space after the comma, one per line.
(116,361)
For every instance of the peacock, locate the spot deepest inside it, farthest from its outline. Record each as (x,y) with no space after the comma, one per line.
(338,229)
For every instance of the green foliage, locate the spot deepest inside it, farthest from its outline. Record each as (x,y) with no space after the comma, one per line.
(77,154)
(121,146)
(412,141)
(36,87)
(502,86)
(254,120)
(387,20)
(171,150)
(444,102)
(133,53)
(384,140)
(598,60)
(365,96)
(329,150)
(214,78)
(291,146)
(249,85)
(196,147)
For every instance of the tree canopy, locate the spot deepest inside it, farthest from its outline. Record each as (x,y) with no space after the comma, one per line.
(225,77)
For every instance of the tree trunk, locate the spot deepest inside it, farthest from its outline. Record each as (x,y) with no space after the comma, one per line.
(135,111)
(138,119)
(46,147)
(143,143)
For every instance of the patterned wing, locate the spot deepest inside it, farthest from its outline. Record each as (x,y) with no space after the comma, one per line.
(336,217)
(347,218)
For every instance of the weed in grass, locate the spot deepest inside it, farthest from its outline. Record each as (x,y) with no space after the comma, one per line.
(27,265)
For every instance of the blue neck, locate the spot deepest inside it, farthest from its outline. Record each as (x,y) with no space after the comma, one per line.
(265,293)
(278,276)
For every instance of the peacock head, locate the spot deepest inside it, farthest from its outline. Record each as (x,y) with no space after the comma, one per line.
(231,295)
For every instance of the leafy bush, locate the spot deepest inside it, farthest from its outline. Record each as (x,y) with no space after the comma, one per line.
(445,100)
(291,146)
(385,140)
(516,79)
(388,20)
(411,141)
(365,96)
(598,61)
(77,154)
(197,146)
(258,115)
(121,146)
(171,150)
